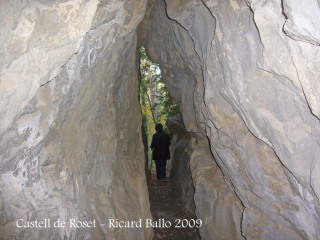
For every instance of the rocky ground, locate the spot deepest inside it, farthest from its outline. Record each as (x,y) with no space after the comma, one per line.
(166,206)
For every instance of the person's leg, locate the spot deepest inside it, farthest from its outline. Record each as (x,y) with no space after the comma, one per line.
(163,164)
(164,169)
(158,168)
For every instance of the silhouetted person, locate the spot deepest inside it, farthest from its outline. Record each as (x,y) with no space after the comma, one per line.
(160,150)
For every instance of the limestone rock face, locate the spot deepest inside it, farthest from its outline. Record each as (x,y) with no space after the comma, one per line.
(70,119)
(246,76)
(180,161)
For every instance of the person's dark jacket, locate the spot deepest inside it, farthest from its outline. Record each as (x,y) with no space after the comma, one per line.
(160,146)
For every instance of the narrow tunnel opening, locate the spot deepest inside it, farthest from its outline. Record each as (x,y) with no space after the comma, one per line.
(156,103)
(169,211)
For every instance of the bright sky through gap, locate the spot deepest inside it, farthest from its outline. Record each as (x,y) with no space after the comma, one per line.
(158,71)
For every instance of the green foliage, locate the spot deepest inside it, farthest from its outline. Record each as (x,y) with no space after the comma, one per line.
(155,100)
(166,107)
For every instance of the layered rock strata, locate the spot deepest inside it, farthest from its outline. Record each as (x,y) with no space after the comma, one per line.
(71,145)
(245,74)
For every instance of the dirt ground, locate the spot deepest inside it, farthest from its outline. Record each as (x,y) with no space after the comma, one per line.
(168,209)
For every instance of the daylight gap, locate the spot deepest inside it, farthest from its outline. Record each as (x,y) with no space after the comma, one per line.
(156,103)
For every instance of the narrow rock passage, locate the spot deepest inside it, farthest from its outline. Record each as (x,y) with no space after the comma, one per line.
(166,206)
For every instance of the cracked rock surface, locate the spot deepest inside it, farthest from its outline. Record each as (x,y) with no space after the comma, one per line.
(246,76)
(70,119)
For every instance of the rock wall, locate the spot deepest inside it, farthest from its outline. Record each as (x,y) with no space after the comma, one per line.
(245,74)
(70,119)
(180,162)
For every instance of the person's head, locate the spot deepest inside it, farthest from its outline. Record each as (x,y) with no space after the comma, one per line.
(159,127)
